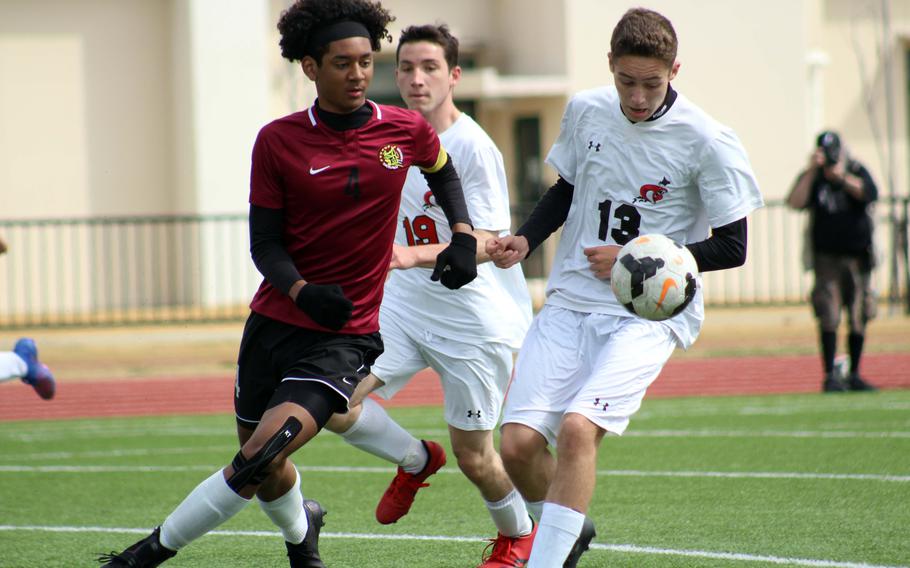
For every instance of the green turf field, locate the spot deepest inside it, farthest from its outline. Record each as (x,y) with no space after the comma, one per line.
(798,480)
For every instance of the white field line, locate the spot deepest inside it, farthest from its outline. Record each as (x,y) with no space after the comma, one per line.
(709,433)
(387,470)
(700,433)
(625,548)
(772,407)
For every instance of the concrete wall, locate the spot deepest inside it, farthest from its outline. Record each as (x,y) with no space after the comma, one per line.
(222,99)
(856,88)
(113,107)
(85,107)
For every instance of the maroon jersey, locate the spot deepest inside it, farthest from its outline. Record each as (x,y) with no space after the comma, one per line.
(340,192)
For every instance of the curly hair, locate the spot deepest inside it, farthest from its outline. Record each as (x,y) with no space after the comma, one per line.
(645,33)
(304,17)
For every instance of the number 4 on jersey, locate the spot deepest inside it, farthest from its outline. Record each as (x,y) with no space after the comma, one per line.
(353,186)
(420,231)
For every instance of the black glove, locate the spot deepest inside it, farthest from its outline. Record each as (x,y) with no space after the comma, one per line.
(457,264)
(325,304)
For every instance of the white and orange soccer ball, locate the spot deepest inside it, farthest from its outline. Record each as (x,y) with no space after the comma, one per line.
(654,277)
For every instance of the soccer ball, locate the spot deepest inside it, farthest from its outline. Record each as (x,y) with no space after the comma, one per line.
(654,277)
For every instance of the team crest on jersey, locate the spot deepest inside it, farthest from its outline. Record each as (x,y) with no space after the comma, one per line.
(391,156)
(428,200)
(651,192)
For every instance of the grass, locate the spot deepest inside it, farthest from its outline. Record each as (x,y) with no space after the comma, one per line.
(805,480)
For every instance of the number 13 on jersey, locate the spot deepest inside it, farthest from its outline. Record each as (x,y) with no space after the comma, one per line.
(627,228)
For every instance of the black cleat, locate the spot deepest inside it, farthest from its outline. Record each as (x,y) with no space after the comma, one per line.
(832,383)
(857,383)
(581,545)
(147,553)
(306,554)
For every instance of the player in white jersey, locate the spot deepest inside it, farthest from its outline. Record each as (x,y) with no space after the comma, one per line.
(632,159)
(468,336)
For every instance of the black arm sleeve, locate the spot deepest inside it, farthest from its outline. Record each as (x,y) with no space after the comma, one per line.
(725,248)
(267,248)
(549,214)
(446,188)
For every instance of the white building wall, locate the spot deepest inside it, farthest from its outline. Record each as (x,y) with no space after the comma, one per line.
(227,98)
(86,107)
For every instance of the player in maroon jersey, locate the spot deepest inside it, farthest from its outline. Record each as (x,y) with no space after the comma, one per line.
(324,194)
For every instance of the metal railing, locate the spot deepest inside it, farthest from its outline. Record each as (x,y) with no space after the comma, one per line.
(194,268)
(125,270)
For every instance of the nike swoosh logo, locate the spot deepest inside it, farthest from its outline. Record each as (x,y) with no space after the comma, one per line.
(668,283)
(314,171)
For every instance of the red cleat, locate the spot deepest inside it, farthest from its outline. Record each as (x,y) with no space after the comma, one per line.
(508,552)
(398,498)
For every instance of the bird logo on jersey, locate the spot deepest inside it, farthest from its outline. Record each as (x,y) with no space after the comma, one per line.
(391,156)
(428,200)
(652,193)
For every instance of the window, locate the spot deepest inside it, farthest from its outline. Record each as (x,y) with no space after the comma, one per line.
(528,178)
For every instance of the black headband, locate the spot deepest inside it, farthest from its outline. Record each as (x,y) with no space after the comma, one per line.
(334,32)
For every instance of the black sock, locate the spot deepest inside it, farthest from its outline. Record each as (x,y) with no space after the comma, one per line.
(855,344)
(829,349)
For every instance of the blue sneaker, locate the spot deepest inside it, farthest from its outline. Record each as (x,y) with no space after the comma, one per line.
(38,375)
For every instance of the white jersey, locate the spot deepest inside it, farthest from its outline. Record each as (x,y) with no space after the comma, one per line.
(496,306)
(678,175)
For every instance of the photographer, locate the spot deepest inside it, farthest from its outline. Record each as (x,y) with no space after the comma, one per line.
(838,192)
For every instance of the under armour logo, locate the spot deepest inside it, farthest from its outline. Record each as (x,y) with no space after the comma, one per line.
(474,414)
(591,145)
(603,406)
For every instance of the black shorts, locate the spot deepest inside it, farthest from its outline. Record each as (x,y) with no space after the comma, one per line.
(279,362)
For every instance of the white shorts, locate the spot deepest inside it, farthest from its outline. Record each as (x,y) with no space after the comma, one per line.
(596,365)
(474,376)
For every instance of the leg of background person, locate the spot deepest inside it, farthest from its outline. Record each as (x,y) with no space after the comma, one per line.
(826,302)
(12,366)
(478,460)
(570,492)
(529,463)
(855,343)
(828,349)
(859,311)
(369,427)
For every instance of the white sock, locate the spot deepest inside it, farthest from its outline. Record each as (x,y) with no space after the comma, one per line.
(535,508)
(12,366)
(376,433)
(211,503)
(510,515)
(287,513)
(557,532)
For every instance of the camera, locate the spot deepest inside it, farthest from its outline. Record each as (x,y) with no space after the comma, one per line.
(829,142)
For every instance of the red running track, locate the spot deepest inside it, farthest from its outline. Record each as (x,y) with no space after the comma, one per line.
(684,377)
